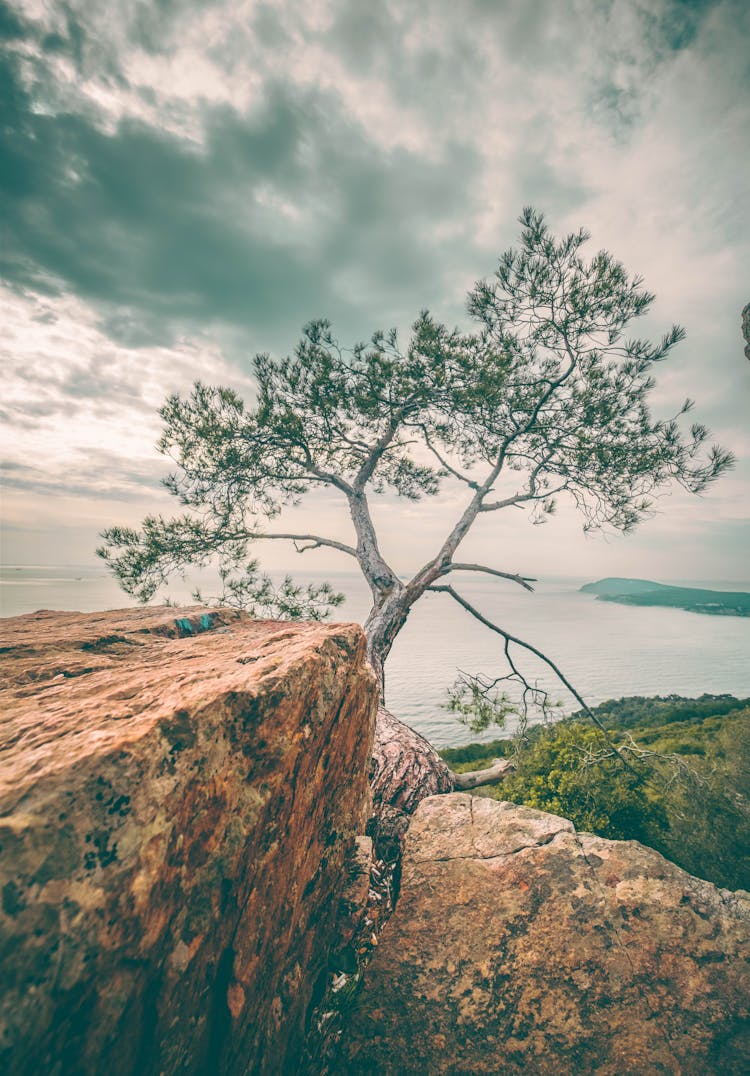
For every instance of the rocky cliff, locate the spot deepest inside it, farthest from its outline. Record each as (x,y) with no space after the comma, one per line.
(520,946)
(182,872)
(180,790)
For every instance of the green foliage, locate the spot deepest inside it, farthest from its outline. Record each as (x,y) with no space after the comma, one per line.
(709,602)
(695,811)
(479,701)
(477,705)
(476,756)
(256,593)
(710,821)
(547,395)
(646,592)
(556,773)
(143,560)
(653,711)
(562,321)
(694,599)
(709,816)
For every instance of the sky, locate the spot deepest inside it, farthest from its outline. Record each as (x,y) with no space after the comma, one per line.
(184,184)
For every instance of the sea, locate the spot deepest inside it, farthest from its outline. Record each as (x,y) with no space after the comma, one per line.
(605,650)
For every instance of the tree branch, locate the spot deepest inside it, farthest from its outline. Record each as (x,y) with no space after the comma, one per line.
(543,657)
(517,498)
(444,463)
(521,498)
(492,775)
(328,477)
(522,580)
(433,569)
(315,540)
(367,469)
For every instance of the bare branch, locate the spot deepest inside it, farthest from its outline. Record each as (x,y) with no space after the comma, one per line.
(492,775)
(524,581)
(328,476)
(531,493)
(367,469)
(516,499)
(444,463)
(677,768)
(521,498)
(433,569)
(315,540)
(526,646)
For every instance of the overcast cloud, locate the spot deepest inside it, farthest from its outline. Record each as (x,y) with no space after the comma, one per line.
(183,184)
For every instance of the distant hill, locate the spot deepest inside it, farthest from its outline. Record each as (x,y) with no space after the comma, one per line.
(694,600)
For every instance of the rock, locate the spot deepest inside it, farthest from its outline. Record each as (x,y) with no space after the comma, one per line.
(520,946)
(356,889)
(746,329)
(180,793)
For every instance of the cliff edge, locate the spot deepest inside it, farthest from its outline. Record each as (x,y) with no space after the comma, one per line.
(520,946)
(180,791)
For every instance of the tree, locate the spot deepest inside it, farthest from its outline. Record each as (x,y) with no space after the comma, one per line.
(546,397)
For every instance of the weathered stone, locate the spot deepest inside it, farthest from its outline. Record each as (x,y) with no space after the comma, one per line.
(746,329)
(520,946)
(356,889)
(180,791)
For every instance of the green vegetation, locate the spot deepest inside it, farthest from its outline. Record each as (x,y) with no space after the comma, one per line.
(688,794)
(547,395)
(476,755)
(694,600)
(652,712)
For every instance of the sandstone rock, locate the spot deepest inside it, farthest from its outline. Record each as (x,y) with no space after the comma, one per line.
(521,946)
(180,791)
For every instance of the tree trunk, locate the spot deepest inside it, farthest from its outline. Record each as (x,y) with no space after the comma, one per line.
(384,621)
(498,771)
(405,769)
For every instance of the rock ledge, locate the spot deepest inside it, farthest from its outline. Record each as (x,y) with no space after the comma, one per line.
(519,945)
(180,792)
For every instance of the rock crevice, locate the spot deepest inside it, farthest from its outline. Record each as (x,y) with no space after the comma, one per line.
(549,951)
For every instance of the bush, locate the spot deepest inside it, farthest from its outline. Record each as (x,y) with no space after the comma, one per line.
(698,815)
(476,755)
(710,821)
(556,774)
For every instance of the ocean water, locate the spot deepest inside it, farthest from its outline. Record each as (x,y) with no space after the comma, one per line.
(605,650)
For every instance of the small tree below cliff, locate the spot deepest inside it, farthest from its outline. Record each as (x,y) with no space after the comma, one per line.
(546,398)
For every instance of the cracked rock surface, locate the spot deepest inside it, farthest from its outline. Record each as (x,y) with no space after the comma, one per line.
(520,946)
(178,795)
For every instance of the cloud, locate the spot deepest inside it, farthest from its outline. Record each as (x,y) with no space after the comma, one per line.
(101,475)
(186,184)
(275,218)
(80,410)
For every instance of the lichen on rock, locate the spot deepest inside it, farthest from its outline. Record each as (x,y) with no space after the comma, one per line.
(521,946)
(180,792)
